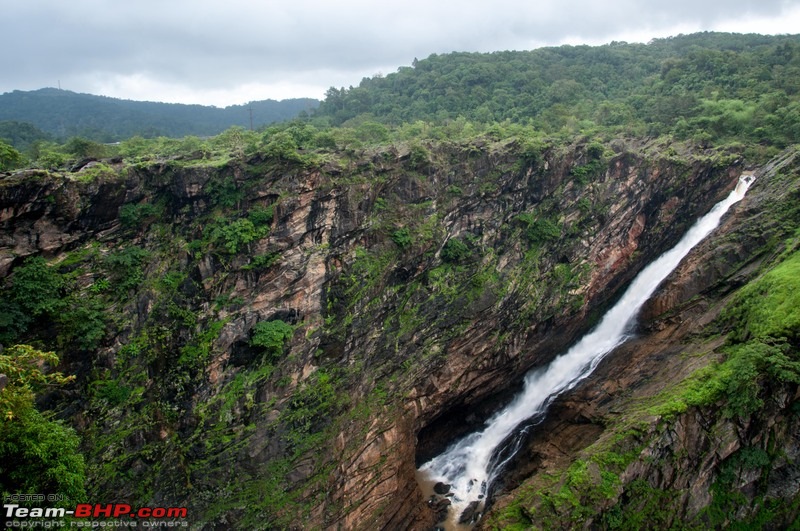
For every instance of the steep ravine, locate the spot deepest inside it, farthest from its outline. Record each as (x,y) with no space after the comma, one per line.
(396,331)
(676,468)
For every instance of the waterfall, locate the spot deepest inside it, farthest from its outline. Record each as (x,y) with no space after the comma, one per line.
(470,465)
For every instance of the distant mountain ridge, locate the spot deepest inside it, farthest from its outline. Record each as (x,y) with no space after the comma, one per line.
(63,113)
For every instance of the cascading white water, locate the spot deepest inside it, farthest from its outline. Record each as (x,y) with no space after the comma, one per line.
(470,465)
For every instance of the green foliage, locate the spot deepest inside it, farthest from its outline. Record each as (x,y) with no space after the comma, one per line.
(62,113)
(41,455)
(224,192)
(21,135)
(727,499)
(236,140)
(262,262)
(282,146)
(261,216)
(48,155)
(10,158)
(538,230)
(644,507)
(111,391)
(271,336)
(402,237)
(37,455)
(198,352)
(716,84)
(22,365)
(419,156)
(231,236)
(455,251)
(770,306)
(83,148)
(584,174)
(760,318)
(94,171)
(125,268)
(36,290)
(310,409)
(138,214)
(37,287)
(372,132)
(82,323)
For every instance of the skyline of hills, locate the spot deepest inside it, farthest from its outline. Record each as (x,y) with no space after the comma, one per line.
(63,113)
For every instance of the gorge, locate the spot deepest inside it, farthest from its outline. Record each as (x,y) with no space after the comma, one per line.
(469,467)
(269,341)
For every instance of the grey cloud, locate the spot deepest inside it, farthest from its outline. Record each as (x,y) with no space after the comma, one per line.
(209,44)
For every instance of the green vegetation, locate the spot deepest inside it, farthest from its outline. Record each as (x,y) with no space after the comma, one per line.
(37,454)
(538,230)
(764,323)
(709,86)
(10,158)
(760,357)
(455,251)
(271,336)
(62,114)
(35,291)
(402,237)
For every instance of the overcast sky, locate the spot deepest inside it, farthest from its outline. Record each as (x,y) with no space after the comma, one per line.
(217,52)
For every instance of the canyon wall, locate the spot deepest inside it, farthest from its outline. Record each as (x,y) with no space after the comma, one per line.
(419,284)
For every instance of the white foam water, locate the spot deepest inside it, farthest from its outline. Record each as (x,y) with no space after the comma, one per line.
(471,464)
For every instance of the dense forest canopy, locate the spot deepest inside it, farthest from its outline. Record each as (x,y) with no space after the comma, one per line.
(63,114)
(706,85)
(710,89)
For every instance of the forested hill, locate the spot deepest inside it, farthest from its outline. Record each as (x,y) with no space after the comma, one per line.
(63,114)
(706,84)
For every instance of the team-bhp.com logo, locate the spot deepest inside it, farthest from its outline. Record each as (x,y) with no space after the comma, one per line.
(122,514)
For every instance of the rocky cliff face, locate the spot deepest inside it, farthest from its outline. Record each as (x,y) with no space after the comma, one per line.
(632,446)
(418,284)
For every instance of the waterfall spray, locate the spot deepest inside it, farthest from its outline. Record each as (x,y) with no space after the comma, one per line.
(470,465)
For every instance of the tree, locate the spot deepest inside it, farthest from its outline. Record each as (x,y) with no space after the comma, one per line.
(271,336)
(10,158)
(37,454)
(83,148)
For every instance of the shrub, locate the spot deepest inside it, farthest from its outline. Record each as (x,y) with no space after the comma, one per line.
(262,262)
(282,146)
(224,192)
(125,267)
(233,235)
(10,158)
(134,215)
(36,454)
(261,216)
(36,290)
(402,237)
(455,251)
(37,287)
(271,336)
(539,230)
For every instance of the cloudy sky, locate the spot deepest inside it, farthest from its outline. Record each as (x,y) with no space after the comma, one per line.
(228,52)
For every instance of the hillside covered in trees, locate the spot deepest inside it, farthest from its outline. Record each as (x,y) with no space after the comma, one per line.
(63,114)
(701,86)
